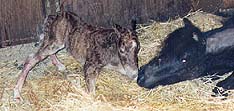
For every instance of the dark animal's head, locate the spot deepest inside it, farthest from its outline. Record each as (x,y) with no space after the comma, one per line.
(179,52)
(128,47)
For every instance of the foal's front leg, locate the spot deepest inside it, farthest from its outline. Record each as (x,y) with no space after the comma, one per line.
(90,74)
(91,71)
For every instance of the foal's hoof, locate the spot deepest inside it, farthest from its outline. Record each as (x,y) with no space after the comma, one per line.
(61,68)
(16,97)
(20,67)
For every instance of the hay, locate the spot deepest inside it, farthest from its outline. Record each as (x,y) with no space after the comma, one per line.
(65,91)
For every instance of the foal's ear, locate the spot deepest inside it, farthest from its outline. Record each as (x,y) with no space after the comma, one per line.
(118,29)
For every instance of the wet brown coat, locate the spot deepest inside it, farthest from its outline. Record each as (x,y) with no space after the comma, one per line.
(93,47)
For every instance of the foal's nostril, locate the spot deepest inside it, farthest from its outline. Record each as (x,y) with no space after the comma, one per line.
(134,77)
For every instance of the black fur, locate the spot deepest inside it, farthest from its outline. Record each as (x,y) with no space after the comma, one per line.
(185,57)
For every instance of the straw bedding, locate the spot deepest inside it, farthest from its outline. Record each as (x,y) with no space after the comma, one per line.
(47,89)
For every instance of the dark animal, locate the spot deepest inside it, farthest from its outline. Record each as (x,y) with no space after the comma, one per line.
(189,53)
(225,12)
(94,47)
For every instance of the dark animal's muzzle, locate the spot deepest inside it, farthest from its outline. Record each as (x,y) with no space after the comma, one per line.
(141,80)
(142,83)
(151,76)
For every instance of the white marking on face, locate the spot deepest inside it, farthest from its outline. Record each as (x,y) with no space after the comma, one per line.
(41,36)
(134,44)
(122,49)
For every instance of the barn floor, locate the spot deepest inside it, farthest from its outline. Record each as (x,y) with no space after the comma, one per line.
(47,89)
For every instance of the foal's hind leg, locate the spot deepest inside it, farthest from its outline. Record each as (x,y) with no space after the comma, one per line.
(31,61)
(57,63)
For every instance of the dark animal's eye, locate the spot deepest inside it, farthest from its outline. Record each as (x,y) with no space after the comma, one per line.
(184,60)
(185,57)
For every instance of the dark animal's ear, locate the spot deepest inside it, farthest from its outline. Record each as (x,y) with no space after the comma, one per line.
(133,24)
(187,22)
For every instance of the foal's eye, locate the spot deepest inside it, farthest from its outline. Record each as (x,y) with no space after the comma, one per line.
(122,50)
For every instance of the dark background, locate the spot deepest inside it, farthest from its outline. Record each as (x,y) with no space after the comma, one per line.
(20,18)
